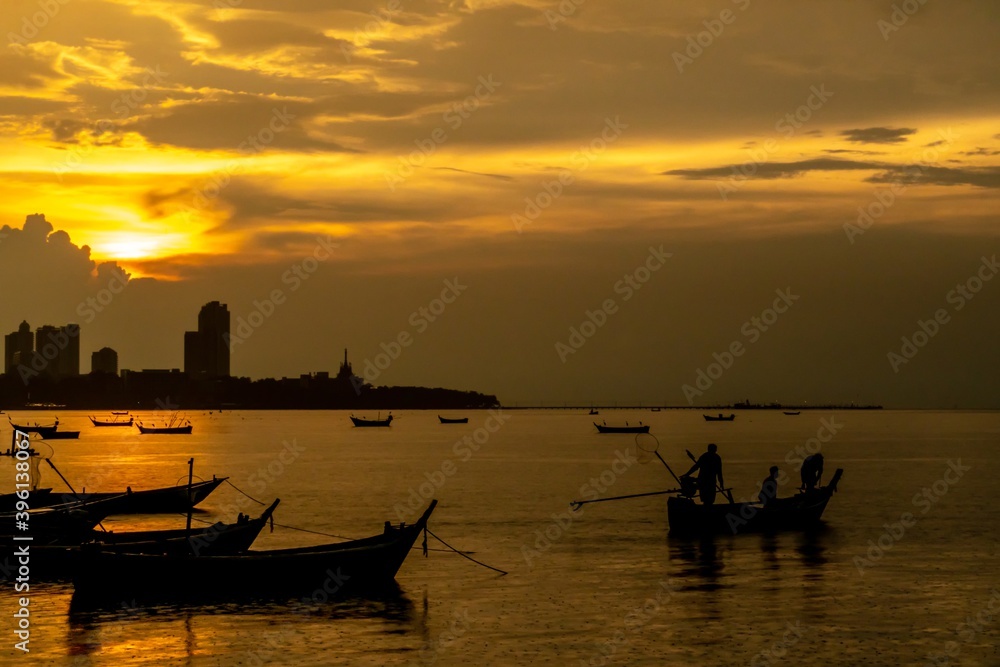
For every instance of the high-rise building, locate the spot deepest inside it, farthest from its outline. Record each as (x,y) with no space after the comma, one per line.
(206,351)
(105,360)
(57,351)
(19,344)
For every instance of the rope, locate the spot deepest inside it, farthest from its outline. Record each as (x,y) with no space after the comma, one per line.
(244,493)
(462,554)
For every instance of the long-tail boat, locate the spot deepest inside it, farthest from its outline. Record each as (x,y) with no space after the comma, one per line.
(799,512)
(359,421)
(333,569)
(169,499)
(455,420)
(720,418)
(604,428)
(114,421)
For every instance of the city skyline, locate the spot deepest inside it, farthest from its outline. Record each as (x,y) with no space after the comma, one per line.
(613,225)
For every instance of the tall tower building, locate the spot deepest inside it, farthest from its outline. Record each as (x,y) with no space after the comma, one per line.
(206,351)
(59,349)
(19,344)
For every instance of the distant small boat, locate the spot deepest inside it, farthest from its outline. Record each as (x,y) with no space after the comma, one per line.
(458,420)
(604,428)
(792,414)
(720,418)
(115,421)
(41,431)
(119,412)
(655,410)
(592,412)
(358,421)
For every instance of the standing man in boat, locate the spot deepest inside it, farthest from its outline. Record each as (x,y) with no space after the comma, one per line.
(709,467)
(769,487)
(812,471)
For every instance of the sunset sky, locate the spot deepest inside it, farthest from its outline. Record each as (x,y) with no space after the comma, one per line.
(358,157)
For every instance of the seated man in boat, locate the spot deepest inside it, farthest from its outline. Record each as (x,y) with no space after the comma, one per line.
(812,471)
(709,467)
(769,487)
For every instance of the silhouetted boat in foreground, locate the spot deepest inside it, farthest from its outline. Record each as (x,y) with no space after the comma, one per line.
(720,418)
(59,557)
(358,421)
(179,498)
(799,512)
(457,420)
(60,435)
(357,565)
(604,428)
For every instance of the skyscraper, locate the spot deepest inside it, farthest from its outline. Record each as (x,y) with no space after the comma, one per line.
(19,344)
(57,350)
(206,351)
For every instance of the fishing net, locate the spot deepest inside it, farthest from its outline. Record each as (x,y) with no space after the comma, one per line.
(646,446)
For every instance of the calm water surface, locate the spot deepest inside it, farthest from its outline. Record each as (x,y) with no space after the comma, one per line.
(601,586)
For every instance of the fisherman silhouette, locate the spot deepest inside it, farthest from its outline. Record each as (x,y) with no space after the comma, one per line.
(812,471)
(769,487)
(709,466)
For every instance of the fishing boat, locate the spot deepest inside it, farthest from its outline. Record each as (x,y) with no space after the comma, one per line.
(60,435)
(720,418)
(8,501)
(655,410)
(593,411)
(604,428)
(165,430)
(37,429)
(114,421)
(60,522)
(180,498)
(457,420)
(57,560)
(791,413)
(357,565)
(359,421)
(799,512)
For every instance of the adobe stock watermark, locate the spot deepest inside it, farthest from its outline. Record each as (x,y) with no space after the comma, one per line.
(634,621)
(786,126)
(752,329)
(370,30)
(561,522)
(899,17)
(36,22)
(563,11)
(928,329)
(420,320)
(454,118)
(295,276)
(924,500)
(698,43)
(777,652)
(579,162)
(124,106)
(629,284)
(280,121)
(967,631)
(886,197)
(463,449)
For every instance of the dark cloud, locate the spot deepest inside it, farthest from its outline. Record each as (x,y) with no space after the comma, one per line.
(878,135)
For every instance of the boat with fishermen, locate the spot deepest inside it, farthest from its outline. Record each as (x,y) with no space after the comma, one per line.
(58,558)
(372,423)
(687,516)
(174,426)
(116,420)
(604,428)
(720,418)
(456,420)
(357,565)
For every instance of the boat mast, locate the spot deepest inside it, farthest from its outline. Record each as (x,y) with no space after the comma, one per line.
(190,498)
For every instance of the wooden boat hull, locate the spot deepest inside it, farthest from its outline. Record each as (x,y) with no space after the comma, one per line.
(54,524)
(61,435)
(318,573)
(622,429)
(799,512)
(165,430)
(59,561)
(98,422)
(372,423)
(710,418)
(459,420)
(152,501)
